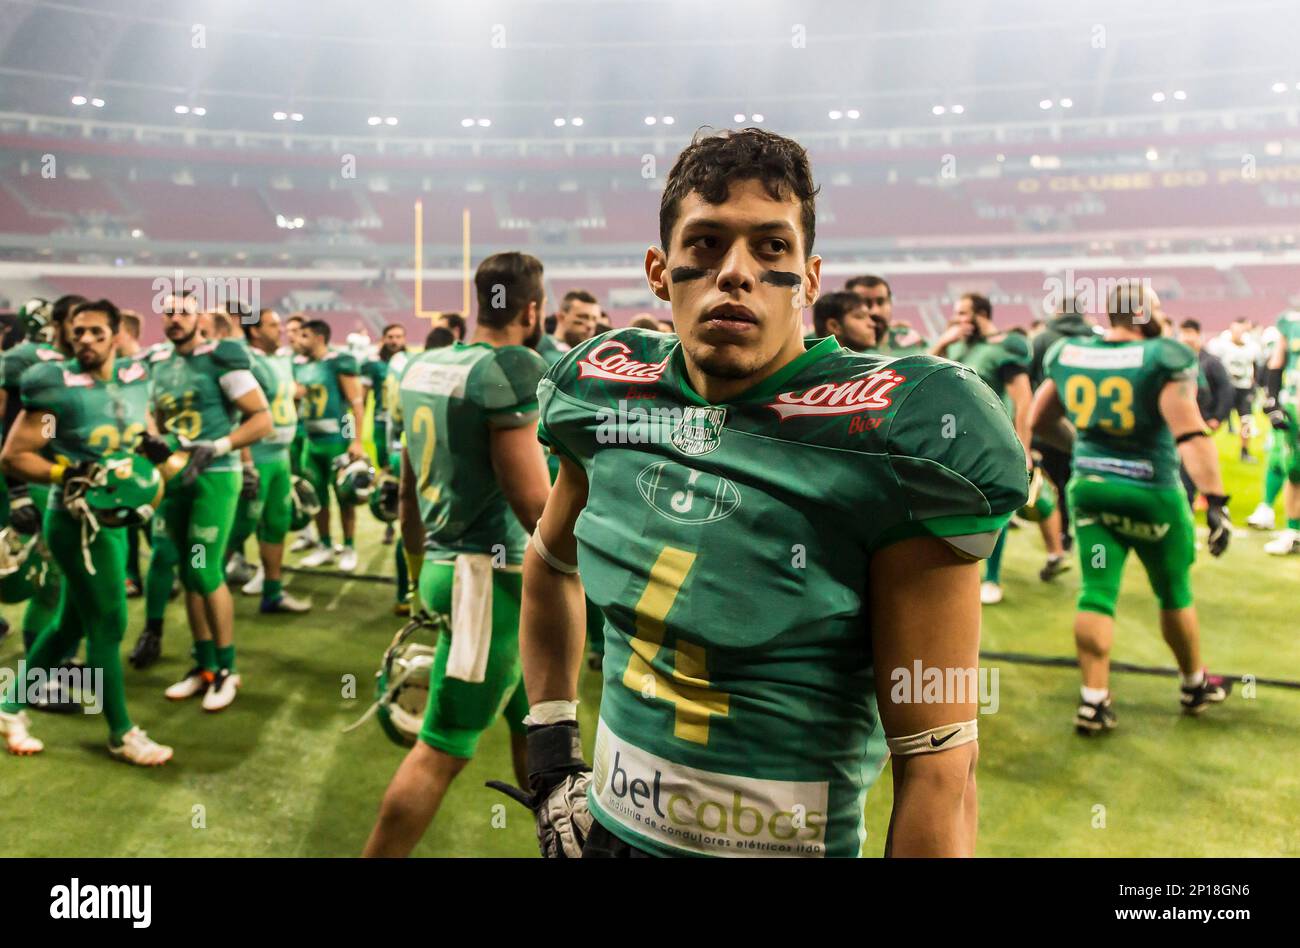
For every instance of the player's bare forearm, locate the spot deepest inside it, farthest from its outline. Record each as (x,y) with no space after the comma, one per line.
(553,614)
(1021,399)
(1201,460)
(1179,409)
(925,608)
(1047,419)
(21,457)
(408,509)
(256,423)
(520,469)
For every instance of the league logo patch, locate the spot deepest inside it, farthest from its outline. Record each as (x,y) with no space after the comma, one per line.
(685,495)
(609,361)
(699,431)
(869,393)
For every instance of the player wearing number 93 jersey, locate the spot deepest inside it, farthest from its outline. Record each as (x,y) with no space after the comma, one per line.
(773,536)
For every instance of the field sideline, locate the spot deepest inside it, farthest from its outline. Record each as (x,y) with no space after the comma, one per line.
(276,776)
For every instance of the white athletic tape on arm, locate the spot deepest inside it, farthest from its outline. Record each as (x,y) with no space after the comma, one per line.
(941,738)
(549,558)
(552,712)
(237,382)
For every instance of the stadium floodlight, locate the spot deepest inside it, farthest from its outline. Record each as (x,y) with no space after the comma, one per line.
(650,120)
(1180,95)
(668,120)
(279,116)
(938,110)
(464,123)
(757,118)
(392,120)
(852,113)
(182,110)
(137,233)
(199,111)
(560,123)
(1044,104)
(738,117)
(1277,87)
(1066,103)
(834,115)
(296,116)
(1152,154)
(958,109)
(82,100)
(97,103)
(1157,97)
(576,120)
(483,123)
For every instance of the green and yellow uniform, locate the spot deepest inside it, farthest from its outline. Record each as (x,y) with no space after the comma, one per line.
(903,340)
(1125,493)
(450,401)
(326,416)
(94,419)
(270,512)
(1288,441)
(725,654)
(194,399)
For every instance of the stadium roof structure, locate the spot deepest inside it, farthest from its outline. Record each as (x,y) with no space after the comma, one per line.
(524,69)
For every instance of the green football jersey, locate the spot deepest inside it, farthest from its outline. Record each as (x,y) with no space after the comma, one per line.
(22,357)
(325,413)
(550,350)
(93,418)
(729,548)
(373,373)
(1111,393)
(1288,327)
(449,399)
(274,373)
(903,340)
(996,363)
(194,395)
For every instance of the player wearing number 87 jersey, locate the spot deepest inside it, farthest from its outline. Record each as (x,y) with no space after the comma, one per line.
(773,535)
(1131,397)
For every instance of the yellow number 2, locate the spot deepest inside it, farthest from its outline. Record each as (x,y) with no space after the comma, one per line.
(688,690)
(422,427)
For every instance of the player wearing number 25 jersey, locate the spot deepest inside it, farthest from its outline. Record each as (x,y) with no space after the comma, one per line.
(1131,398)
(773,537)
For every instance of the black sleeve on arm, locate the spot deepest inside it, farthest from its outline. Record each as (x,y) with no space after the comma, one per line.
(1221,386)
(1010,371)
(1273,382)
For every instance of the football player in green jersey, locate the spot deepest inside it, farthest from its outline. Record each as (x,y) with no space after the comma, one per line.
(374,372)
(574,323)
(208,403)
(891,338)
(845,316)
(473,485)
(393,446)
(774,536)
(1282,398)
(1130,401)
(332,407)
(268,514)
(81,412)
(1002,360)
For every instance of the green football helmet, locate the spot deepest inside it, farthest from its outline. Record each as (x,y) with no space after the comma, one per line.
(383,499)
(306,504)
(125,492)
(402,682)
(24,566)
(36,319)
(355,480)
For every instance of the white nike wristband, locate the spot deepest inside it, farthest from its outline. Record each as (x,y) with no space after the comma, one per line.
(551,559)
(941,738)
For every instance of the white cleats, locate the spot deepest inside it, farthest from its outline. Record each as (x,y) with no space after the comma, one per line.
(139,749)
(194,683)
(1286,543)
(254,586)
(322,556)
(13,728)
(238,569)
(286,603)
(990,594)
(304,542)
(348,559)
(221,691)
(1264,518)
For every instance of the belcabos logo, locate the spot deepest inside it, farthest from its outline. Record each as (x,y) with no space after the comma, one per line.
(610,362)
(868,393)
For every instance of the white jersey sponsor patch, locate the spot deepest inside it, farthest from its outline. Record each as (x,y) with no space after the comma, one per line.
(1102,357)
(437,378)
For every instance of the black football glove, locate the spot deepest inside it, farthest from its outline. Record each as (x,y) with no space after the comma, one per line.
(1276,414)
(252,483)
(558,778)
(202,453)
(154,449)
(77,479)
(1220,523)
(24,516)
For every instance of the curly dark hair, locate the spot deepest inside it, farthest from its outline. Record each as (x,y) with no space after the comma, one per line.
(714,160)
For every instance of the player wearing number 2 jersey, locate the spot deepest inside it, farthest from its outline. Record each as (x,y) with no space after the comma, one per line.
(473,484)
(1131,398)
(774,536)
